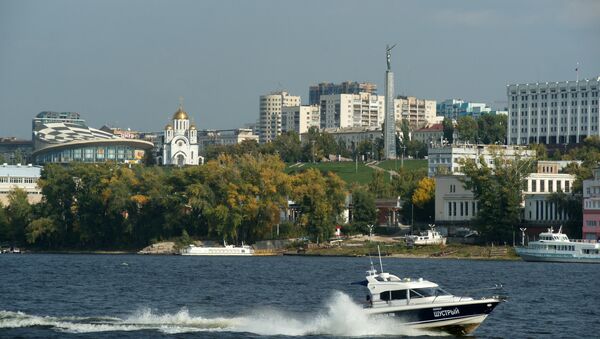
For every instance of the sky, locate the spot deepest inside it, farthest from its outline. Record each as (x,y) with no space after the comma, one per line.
(126,63)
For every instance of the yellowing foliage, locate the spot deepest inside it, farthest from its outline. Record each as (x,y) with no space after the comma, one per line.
(424,193)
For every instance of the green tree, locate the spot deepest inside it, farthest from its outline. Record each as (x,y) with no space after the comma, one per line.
(540,150)
(498,189)
(448,126)
(492,128)
(364,211)
(288,146)
(467,129)
(18,214)
(321,200)
(42,231)
(378,186)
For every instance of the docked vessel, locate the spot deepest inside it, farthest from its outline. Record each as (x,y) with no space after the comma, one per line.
(431,237)
(422,304)
(228,250)
(557,247)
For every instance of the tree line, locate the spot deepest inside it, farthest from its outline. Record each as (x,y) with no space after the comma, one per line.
(236,198)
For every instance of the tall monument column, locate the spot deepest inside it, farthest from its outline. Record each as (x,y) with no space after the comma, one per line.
(389,133)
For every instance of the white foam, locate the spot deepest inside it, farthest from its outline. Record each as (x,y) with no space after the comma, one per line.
(341,317)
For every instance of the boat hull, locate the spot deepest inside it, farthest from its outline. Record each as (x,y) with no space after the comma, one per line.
(454,318)
(550,257)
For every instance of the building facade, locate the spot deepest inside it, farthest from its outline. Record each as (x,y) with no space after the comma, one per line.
(539,208)
(453,203)
(271,107)
(346,87)
(418,112)
(14,151)
(300,118)
(180,141)
(352,110)
(430,133)
(22,177)
(553,113)
(350,136)
(64,138)
(591,207)
(208,138)
(456,108)
(456,205)
(444,158)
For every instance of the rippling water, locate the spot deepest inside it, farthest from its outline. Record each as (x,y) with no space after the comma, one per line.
(177,296)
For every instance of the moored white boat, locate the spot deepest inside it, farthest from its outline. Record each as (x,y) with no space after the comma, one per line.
(422,304)
(431,237)
(226,250)
(557,247)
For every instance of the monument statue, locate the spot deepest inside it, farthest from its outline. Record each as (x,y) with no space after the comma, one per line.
(388,53)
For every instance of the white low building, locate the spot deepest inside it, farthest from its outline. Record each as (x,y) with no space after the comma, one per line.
(540,187)
(455,204)
(444,158)
(23,177)
(224,137)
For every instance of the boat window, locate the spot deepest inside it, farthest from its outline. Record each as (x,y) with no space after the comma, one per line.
(427,292)
(393,295)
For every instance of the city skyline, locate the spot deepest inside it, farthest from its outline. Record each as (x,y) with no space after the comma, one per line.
(127,63)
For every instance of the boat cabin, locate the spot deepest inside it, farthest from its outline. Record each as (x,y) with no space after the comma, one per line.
(387,289)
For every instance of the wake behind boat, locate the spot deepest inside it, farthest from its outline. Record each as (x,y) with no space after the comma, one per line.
(556,247)
(228,250)
(423,304)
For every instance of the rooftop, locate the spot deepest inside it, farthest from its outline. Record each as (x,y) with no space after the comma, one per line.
(19,171)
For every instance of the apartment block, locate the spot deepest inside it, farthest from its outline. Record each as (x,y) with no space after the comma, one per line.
(300,118)
(271,107)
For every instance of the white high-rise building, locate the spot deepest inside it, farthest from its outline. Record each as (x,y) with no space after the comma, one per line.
(269,122)
(418,112)
(352,110)
(300,118)
(553,112)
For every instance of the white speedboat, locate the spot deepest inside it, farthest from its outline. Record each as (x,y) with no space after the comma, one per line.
(423,304)
(557,247)
(431,237)
(243,250)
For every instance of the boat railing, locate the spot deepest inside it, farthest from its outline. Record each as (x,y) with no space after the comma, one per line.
(586,241)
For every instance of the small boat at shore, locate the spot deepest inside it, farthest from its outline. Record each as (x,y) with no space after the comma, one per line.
(431,237)
(557,247)
(226,250)
(422,304)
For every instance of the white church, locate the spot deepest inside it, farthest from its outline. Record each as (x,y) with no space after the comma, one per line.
(180,141)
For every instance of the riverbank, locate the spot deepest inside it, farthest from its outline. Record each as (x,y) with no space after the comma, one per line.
(452,251)
(388,248)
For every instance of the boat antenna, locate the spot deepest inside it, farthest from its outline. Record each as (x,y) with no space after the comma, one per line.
(380,263)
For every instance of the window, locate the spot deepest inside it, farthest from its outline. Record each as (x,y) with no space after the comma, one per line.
(533,185)
(542,186)
(393,295)
(426,292)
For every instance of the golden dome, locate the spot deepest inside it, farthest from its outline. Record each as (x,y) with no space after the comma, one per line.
(192,126)
(180,114)
(169,127)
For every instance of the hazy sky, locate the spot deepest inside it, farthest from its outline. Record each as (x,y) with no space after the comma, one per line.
(127,62)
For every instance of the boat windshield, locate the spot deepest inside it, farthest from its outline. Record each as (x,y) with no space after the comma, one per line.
(427,292)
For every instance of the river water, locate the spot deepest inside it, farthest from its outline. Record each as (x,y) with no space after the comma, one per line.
(101,296)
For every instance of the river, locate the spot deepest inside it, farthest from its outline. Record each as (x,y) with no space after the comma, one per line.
(95,296)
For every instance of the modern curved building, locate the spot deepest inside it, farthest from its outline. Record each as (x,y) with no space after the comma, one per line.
(57,140)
